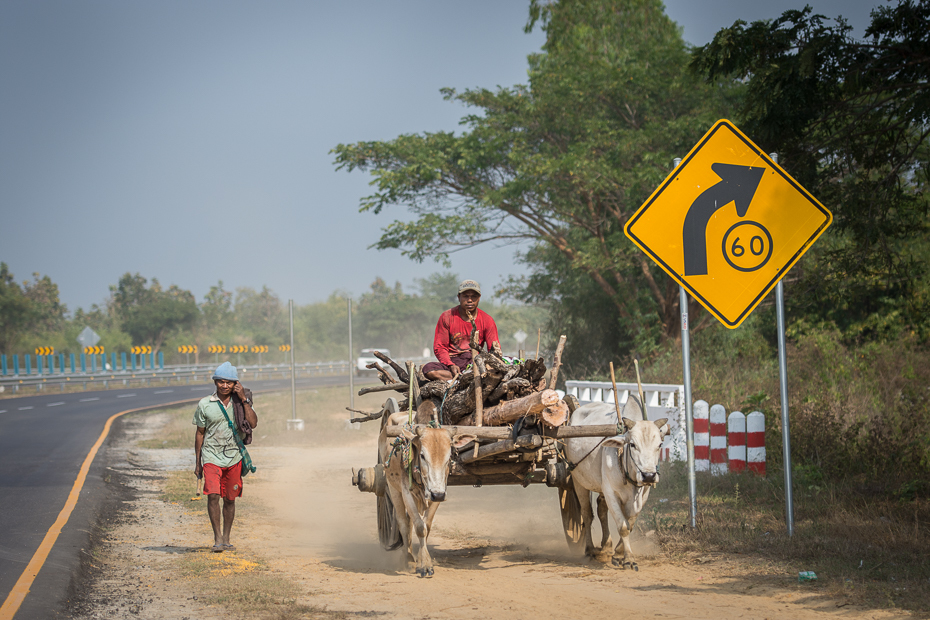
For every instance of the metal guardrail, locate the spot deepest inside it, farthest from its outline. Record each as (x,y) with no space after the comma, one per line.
(184,372)
(178,372)
(662,401)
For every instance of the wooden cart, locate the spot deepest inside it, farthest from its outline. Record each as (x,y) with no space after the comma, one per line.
(505,455)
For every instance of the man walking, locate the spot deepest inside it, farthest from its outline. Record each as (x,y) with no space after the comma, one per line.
(216,452)
(453,330)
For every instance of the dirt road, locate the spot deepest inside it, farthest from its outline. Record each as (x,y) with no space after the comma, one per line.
(307,537)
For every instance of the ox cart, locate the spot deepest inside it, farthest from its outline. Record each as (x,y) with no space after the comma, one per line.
(515,442)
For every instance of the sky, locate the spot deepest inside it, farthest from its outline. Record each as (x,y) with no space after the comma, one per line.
(190,141)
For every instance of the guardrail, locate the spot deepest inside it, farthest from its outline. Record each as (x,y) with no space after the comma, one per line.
(662,401)
(185,373)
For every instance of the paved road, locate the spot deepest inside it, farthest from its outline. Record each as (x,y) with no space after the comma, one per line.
(43,441)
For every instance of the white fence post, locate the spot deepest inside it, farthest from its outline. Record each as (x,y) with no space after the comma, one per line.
(755,442)
(736,441)
(718,440)
(701,437)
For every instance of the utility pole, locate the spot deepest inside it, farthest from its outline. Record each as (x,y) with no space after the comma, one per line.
(351,357)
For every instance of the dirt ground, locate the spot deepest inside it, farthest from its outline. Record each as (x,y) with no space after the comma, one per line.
(307,548)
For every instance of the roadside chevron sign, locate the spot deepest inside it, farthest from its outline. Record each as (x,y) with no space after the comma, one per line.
(45,350)
(137,350)
(187,348)
(284,347)
(93,350)
(217,348)
(260,348)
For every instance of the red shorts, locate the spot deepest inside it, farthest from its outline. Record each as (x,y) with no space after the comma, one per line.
(224,481)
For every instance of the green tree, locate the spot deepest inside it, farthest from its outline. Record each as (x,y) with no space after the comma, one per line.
(149,314)
(850,120)
(48,311)
(16,310)
(260,316)
(562,163)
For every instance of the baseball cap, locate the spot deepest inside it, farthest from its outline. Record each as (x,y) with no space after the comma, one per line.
(469,285)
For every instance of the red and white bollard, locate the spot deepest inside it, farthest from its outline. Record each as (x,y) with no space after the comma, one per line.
(701,437)
(718,440)
(736,441)
(755,442)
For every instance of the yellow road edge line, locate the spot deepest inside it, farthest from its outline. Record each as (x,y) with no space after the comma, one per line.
(21,588)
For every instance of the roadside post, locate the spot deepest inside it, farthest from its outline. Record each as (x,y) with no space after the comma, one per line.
(294,424)
(744,224)
(351,357)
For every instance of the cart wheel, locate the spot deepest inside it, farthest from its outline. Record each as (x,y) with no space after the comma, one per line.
(388,532)
(571,517)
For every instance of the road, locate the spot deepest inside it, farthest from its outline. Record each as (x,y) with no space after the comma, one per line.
(44,439)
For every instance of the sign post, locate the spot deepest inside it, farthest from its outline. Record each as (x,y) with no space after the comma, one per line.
(744,223)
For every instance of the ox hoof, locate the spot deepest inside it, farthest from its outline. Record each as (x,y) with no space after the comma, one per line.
(425,572)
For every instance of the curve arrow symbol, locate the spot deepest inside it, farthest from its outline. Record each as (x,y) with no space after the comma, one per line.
(737,184)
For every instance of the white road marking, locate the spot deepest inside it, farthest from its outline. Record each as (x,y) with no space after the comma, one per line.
(2,410)
(165,392)
(55,404)
(24,408)
(128,396)
(87,400)
(199,389)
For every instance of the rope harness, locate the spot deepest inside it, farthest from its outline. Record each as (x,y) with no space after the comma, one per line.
(623,459)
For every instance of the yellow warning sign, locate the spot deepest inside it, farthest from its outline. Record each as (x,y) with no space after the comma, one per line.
(728,223)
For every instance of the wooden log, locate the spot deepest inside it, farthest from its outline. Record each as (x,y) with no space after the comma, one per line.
(398,387)
(556,363)
(401,373)
(556,415)
(485,469)
(501,447)
(366,416)
(512,410)
(505,432)
(537,477)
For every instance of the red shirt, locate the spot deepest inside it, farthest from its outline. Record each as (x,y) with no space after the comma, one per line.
(453,333)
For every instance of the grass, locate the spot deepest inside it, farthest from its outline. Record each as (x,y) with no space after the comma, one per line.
(866,550)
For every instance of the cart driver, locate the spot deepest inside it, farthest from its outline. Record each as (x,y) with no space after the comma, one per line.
(453,331)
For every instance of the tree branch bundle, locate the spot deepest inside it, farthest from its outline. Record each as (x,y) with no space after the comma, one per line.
(509,391)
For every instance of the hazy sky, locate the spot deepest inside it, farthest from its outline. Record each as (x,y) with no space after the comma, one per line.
(189,141)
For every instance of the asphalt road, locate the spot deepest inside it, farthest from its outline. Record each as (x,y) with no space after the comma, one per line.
(43,441)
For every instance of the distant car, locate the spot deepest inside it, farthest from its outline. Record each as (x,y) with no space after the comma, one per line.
(367,356)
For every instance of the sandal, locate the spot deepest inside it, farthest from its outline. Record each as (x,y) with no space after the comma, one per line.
(217,548)
(229,547)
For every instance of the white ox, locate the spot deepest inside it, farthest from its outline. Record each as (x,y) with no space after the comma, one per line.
(620,469)
(415,504)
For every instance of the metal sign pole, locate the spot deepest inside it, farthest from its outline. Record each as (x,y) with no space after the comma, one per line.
(689,410)
(351,364)
(783,389)
(290,308)
(783,393)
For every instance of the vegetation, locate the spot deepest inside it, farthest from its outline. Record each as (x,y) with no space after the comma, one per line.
(139,312)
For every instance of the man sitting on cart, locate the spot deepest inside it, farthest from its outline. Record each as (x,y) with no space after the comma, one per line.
(453,330)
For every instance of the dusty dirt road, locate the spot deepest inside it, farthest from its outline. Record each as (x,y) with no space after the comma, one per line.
(499,552)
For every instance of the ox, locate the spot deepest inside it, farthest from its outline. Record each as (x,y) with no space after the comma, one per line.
(620,469)
(416,468)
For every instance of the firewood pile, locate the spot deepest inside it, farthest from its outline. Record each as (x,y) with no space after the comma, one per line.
(508,391)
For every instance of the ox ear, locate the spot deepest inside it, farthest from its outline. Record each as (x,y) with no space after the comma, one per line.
(628,423)
(460,441)
(664,428)
(617,442)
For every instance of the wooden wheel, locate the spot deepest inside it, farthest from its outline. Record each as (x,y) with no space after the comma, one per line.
(388,532)
(571,517)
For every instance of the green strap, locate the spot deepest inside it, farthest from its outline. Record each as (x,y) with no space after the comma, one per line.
(232,427)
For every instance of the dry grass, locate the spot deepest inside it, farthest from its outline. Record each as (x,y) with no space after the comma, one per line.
(869,551)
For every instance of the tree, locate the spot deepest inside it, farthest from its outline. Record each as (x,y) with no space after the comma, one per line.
(561,163)
(260,315)
(149,314)
(49,312)
(16,310)
(850,120)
